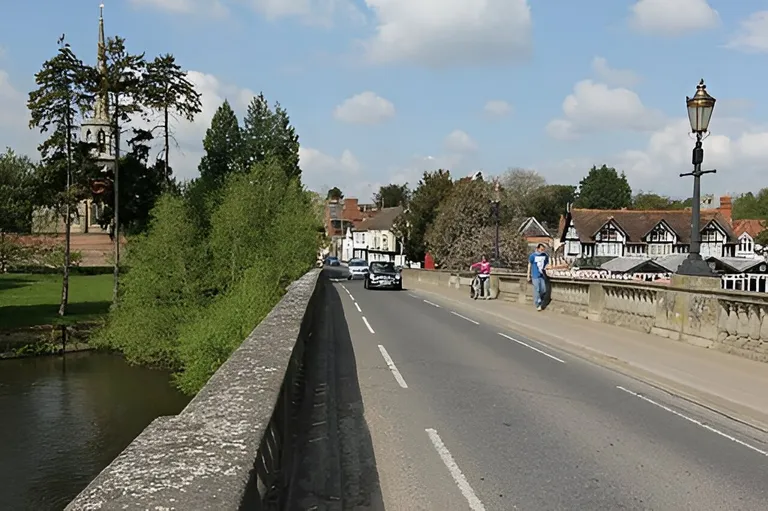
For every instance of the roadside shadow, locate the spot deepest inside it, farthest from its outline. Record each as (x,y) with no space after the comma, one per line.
(360,476)
(547,299)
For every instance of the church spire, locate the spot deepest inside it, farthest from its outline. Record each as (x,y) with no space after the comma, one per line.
(101,110)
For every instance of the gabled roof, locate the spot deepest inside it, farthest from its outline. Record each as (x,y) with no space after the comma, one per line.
(636,223)
(383,221)
(753,227)
(531,228)
(632,265)
(737,264)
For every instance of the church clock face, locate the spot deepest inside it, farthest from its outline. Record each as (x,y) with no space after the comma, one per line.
(762,268)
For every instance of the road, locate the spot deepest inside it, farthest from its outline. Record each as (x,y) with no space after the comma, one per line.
(464,416)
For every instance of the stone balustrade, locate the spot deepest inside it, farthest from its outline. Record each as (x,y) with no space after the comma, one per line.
(693,310)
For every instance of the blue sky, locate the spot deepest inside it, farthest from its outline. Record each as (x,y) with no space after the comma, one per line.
(381,90)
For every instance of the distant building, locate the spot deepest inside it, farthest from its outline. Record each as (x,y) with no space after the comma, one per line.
(375,239)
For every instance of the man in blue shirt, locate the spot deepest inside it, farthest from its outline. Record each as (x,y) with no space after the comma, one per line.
(537,274)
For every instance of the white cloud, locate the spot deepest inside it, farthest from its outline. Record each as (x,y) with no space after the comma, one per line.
(207,8)
(365,108)
(459,142)
(444,33)
(321,170)
(595,107)
(497,108)
(614,77)
(673,17)
(753,36)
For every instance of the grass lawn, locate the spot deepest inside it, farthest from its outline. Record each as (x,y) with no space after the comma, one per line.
(29,300)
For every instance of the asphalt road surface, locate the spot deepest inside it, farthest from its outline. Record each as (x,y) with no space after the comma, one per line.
(464,416)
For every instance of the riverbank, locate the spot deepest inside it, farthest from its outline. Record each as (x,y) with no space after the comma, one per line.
(29,320)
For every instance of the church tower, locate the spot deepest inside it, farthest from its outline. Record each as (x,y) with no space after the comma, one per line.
(98,130)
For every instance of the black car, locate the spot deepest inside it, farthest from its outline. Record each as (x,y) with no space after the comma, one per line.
(382,274)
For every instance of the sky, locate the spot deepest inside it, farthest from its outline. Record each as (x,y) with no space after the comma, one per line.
(382,90)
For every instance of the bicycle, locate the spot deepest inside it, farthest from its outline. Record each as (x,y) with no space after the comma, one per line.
(474,288)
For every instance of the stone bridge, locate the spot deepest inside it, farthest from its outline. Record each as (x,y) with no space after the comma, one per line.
(353,399)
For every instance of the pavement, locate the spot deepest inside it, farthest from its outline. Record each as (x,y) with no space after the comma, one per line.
(465,413)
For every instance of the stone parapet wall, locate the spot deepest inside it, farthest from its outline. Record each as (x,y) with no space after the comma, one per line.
(692,310)
(234,445)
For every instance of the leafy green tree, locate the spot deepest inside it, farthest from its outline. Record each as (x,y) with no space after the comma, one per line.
(335,193)
(751,206)
(390,196)
(223,147)
(121,79)
(62,92)
(17,174)
(604,188)
(464,231)
(268,134)
(423,207)
(167,90)
(549,202)
(653,201)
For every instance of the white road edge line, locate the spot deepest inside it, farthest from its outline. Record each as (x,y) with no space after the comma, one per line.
(694,421)
(464,317)
(453,468)
(431,303)
(414,296)
(358,307)
(368,325)
(537,350)
(392,367)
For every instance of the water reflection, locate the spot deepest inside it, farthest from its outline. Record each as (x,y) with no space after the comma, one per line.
(63,420)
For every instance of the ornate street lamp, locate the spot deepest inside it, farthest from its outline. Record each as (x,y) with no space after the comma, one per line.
(700,108)
(495,204)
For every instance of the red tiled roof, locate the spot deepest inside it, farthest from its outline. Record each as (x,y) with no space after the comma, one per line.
(751,226)
(637,223)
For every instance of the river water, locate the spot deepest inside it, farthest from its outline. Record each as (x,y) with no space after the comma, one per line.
(62,420)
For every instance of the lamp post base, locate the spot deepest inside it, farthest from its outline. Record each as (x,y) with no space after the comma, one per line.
(695,266)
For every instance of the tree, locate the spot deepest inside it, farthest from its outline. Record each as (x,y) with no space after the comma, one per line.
(549,202)
(334,194)
(17,175)
(121,81)
(464,231)
(519,185)
(168,91)
(268,134)
(653,201)
(223,147)
(61,94)
(751,206)
(392,195)
(16,191)
(423,207)
(604,188)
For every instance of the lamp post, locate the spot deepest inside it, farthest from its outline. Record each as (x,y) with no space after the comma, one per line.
(700,108)
(495,204)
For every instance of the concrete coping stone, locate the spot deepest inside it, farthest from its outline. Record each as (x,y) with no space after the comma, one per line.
(202,459)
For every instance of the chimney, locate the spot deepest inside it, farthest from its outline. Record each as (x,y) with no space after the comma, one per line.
(726,208)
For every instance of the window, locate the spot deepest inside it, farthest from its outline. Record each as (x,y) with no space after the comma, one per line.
(574,247)
(746,244)
(608,233)
(102,142)
(384,242)
(710,235)
(362,237)
(571,233)
(97,210)
(659,249)
(609,249)
(659,235)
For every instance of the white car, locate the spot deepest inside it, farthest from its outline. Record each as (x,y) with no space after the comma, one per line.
(358,269)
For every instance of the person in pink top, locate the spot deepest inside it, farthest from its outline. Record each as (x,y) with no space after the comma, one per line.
(484,269)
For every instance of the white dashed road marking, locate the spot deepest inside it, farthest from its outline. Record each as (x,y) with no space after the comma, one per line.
(431,303)
(464,317)
(453,468)
(537,350)
(365,320)
(398,377)
(358,307)
(694,421)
